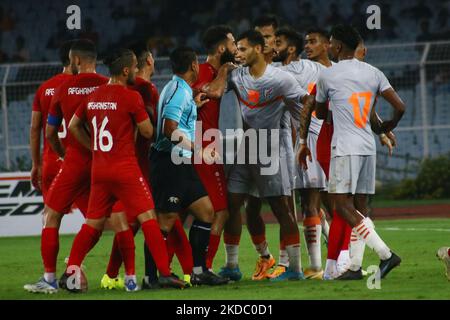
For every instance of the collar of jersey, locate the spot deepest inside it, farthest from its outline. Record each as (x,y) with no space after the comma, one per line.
(183,83)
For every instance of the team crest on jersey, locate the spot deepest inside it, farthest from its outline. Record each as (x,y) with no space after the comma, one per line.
(268,93)
(253,96)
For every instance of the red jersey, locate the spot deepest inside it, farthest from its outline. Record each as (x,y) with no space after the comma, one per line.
(209,112)
(112,112)
(41,103)
(67,99)
(323,148)
(150,96)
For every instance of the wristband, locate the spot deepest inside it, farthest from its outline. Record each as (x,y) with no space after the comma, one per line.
(302,141)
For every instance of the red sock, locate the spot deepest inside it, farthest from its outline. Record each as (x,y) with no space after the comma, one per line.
(125,241)
(336,236)
(448,252)
(85,240)
(183,248)
(49,248)
(231,239)
(347,235)
(115,258)
(171,243)
(214,241)
(156,246)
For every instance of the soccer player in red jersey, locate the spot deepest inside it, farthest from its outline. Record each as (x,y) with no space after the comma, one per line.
(71,184)
(45,166)
(113,112)
(221,48)
(180,243)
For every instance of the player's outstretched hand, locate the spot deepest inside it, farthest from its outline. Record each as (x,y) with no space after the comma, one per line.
(200,99)
(36,177)
(302,154)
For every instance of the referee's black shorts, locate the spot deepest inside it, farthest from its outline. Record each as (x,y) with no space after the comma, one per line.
(174,187)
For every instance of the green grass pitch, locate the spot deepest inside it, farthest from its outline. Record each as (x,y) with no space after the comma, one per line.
(420,276)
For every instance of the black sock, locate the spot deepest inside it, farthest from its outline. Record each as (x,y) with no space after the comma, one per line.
(150,265)
(199,239)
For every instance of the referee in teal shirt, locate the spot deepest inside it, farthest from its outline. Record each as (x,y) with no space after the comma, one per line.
(177,187)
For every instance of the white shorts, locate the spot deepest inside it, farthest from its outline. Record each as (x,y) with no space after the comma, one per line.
(247,179)
(314,177)
(352,174)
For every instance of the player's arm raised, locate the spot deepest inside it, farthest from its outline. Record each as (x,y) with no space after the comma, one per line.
(77,129)
(216,88)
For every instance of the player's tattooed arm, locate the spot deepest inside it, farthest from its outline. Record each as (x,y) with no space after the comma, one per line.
(305,115)
(321,109)
(305,119)
(35,147)
(51,134)
(76,128)
(216,88)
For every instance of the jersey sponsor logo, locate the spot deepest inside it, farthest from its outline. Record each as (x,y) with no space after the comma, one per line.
(81,91)
(50,91)
(102,106)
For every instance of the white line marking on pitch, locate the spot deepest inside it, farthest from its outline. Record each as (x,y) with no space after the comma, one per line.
(412,229)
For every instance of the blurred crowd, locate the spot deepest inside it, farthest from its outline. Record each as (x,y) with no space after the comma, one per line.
(167,23)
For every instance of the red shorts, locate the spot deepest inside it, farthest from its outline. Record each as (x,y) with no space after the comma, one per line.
(127,184)
(324,147)
(50,168)
(71,185)
(213,179)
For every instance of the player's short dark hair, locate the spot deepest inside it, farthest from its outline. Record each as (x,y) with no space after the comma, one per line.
(214,36)
(321,32)
(293,38)
(85,48)
(266,20)
(253,37)
(142,51)
(181,59)
(119,59)
(348,35)
(64,52)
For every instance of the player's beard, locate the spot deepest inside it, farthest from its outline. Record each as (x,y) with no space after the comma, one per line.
(131,80)
(280,56)
(227,56)
(74,69)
